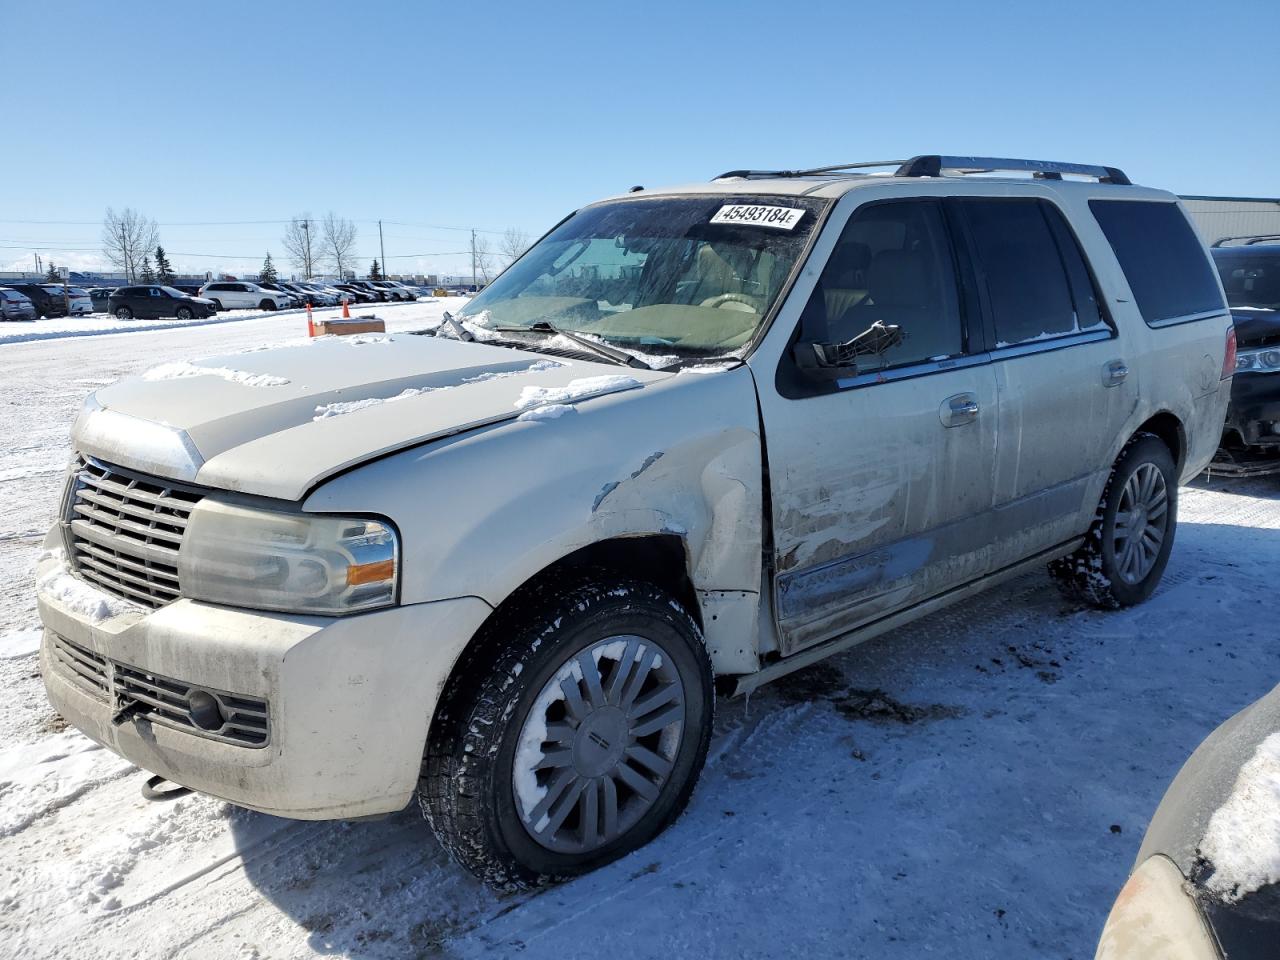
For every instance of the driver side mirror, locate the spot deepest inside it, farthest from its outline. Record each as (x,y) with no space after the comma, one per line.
(836,361)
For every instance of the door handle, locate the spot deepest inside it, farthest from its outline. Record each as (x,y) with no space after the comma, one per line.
(1114,373)
(958,410)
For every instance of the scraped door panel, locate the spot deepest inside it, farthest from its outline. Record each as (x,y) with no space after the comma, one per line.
(876,503)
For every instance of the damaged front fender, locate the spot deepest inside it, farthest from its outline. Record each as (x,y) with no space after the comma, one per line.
(482,513)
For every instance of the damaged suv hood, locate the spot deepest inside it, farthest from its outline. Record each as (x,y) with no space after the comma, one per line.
(277,422)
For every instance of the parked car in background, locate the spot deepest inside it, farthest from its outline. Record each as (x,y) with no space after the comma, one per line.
(1250,275)
(304,295)
(373,289)
(277,287)
(240,294)
(153,301)
(392,289)
(358,294)
(190,289)
(16,306)
(46,304)
(315,294)
(98,297)
(1199,889)
(80,302)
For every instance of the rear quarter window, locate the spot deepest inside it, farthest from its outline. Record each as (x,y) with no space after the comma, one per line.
(1163,260)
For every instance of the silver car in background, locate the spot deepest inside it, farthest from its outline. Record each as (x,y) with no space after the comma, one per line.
(16,306)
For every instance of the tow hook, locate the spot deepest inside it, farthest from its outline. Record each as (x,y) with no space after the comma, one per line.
(126,709)
(151,789)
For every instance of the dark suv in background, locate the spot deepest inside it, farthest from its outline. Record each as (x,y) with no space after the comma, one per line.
(42,298)
(155,301)
(1250,271)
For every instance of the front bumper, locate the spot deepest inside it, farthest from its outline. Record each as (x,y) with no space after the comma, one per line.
(1254,412)
(349,699)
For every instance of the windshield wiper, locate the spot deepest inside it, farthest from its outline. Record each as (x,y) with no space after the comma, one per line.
(620,357)
(461,332)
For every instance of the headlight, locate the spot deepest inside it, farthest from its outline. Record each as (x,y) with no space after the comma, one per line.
(1264,360)
(1155,917)
(296,562)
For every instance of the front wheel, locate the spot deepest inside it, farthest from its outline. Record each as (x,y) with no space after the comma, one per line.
(1128,545)
(267,305)
(183,313)
(572,733)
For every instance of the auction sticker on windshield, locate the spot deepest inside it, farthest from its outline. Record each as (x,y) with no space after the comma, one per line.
(780,218)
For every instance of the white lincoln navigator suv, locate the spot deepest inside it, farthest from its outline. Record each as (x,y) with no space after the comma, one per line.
(693,439)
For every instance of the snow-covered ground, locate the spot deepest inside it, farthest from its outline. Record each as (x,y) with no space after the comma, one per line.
(973,786)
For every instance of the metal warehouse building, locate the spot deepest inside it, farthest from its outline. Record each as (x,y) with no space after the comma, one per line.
(1218,217)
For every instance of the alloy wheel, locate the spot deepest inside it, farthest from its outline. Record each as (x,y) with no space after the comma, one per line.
(598,744)
(1142,523)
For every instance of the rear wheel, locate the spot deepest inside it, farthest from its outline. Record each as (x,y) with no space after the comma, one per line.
(571,734)
(1128,545)
(183,313)
(124,313)
(217,306)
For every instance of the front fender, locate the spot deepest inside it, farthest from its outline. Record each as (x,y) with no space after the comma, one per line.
(480,514)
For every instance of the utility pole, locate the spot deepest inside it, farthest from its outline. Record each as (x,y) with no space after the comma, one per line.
(473,258)
(382,249)
(306,229)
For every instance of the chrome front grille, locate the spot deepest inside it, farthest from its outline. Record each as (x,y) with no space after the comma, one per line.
(239,719)
(125,529)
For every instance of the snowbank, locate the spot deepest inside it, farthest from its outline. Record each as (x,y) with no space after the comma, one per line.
(1243,839)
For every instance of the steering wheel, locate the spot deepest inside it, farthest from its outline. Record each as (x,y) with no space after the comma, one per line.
(723,299)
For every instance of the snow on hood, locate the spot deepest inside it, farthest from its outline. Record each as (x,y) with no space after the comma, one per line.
(1243,838)
(276,422)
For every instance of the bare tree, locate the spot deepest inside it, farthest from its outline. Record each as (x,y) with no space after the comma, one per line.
(339,242)
(128,237)
(513,245)
(302,243)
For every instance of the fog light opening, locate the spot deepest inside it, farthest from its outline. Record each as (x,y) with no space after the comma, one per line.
(205,710)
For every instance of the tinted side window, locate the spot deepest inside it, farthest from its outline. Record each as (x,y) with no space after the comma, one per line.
(1028,291)
(891,265)
(1161,256)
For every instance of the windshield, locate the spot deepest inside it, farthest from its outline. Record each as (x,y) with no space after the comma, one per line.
(684,275)
(1251,281)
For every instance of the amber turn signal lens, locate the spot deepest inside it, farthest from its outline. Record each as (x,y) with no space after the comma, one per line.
(370,572)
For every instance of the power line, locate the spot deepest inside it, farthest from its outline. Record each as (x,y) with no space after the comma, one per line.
(232,223)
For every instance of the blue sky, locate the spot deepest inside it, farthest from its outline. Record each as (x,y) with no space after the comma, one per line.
(509,115)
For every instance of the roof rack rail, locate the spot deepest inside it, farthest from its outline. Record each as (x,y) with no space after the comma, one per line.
(1249,239)
(812,171)
(933,165)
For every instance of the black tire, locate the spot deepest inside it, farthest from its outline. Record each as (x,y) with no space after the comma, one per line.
(217,306)
(468,784)
(183,313)
(124,313)
(267,305)
(1093,573)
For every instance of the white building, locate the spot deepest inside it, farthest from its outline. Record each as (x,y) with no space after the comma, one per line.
(1218,217)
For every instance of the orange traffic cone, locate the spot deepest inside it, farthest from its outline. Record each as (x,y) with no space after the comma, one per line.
(311,327)
(346,314)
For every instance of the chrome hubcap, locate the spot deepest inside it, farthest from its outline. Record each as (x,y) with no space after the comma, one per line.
(598,744)
(1142,523)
